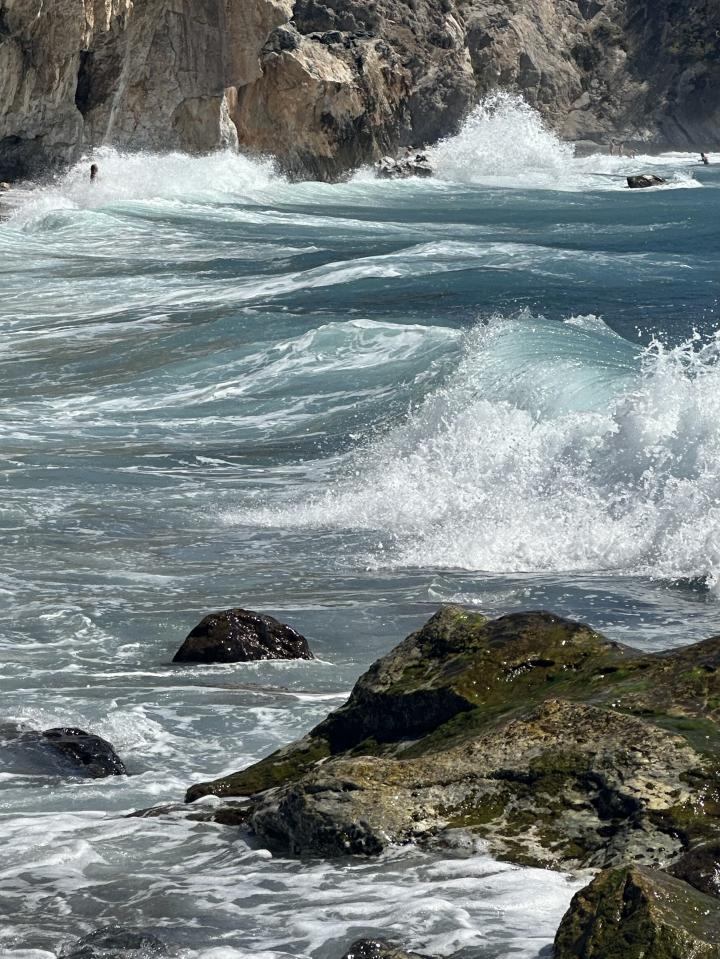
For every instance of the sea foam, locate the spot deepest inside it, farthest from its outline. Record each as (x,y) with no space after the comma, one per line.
(553,447)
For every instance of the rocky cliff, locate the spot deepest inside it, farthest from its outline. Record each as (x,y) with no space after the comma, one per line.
(327,84)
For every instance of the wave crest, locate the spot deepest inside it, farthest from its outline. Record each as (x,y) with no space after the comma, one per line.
(554,447)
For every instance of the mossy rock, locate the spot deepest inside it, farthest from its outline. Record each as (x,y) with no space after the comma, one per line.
(639,913)
(558,746)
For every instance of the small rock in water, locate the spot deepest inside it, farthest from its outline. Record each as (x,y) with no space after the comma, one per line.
(93,753)
(700,867)
(378,949)
(4,186)
(57,752)
(415,164)
(643,180)
(114,942)
(240,636)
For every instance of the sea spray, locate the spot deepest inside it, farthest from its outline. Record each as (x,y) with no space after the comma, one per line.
(503,136)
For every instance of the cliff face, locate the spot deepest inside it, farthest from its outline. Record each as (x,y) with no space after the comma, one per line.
(141,74)
(328,84)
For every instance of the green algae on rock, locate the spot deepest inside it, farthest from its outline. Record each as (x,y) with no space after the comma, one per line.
(639,913)
(557,746)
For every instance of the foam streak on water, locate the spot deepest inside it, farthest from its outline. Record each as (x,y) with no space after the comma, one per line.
(341,404)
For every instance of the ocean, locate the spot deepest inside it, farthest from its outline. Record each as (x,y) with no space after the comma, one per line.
(343,405)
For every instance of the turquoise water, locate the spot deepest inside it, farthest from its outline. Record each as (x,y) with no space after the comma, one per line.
(341,404)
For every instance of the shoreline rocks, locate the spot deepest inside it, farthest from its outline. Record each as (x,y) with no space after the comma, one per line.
(241,636)
(535,733)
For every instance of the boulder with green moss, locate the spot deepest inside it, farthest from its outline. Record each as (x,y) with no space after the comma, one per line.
(532,732)
(638,913)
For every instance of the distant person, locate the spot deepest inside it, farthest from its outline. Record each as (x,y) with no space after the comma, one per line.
(612,148)
(704,158)
(621,149)
(93,172)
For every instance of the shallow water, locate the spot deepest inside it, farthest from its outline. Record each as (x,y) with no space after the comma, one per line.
(343,405)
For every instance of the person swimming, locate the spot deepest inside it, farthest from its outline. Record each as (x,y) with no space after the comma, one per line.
(93,172)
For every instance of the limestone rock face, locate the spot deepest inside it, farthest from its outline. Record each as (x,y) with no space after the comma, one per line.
(152,75)
(639,913)
(532,732)
(326,85)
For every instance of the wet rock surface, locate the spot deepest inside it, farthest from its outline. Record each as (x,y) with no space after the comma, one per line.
(379,949)
(115,942)
(645,180)
(557,746)
(700,867)
(239,636)
(639,913)
(61,751)
(401,168)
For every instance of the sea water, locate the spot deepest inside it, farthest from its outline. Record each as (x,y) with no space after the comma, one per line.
(343,405)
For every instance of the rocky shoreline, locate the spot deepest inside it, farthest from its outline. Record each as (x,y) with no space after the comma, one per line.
(553,745)
(531,735)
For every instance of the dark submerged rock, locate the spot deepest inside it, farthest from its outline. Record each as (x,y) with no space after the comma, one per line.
(557,746)
(93,754)
(59,751)
(700,867)
(379,949)
(644,180)
(239,636)
(115,942)
(639,913)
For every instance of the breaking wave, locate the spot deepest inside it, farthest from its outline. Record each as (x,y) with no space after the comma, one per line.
(553,447)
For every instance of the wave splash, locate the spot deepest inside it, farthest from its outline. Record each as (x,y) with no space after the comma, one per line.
(503,136)
(141,177)
(554,447)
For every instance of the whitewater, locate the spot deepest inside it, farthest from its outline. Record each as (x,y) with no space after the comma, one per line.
(341,404)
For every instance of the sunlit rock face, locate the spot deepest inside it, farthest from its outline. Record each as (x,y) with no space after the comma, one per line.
(326,86)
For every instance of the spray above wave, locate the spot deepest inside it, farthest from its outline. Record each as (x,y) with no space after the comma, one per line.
(554,447)
(505,142)
(503,136)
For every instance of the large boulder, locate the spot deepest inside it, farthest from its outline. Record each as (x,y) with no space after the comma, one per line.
(639,913)
(557,746)
(61,751)
(240,636)
(115,942)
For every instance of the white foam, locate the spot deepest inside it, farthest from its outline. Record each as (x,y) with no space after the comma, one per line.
(142,177)
(554,447)
(505,143)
